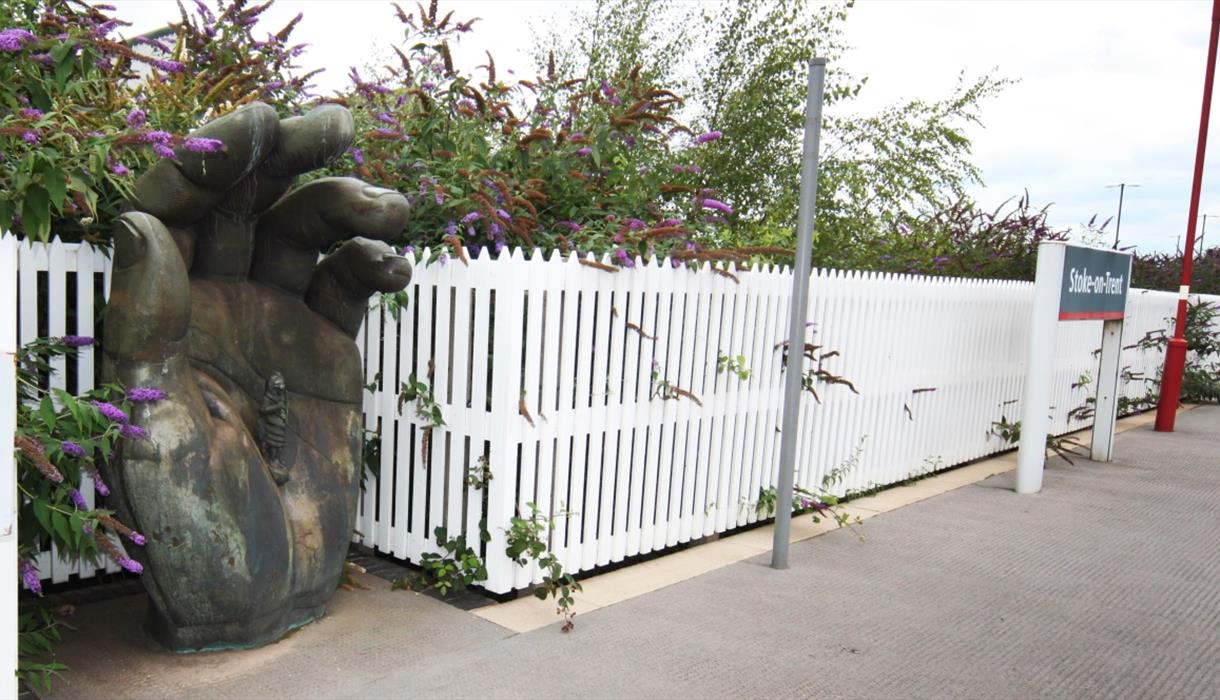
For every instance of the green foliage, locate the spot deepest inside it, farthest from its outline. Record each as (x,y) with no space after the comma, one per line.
(479,474)
(957,240)
(527,541)
(765,506)
(60,439)
(82,109)
(1009,432)
(575,163)
(1164,271)
(426,408)
(455,567)
(667,391)
(1201,377)
(735,365)
(37,636)
(820,501)
(746,78)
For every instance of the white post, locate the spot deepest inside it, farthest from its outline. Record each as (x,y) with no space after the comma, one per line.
(8,467)
(1039,367)
(1105,411)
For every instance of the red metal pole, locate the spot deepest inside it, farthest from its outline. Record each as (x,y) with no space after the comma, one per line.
(1175,356)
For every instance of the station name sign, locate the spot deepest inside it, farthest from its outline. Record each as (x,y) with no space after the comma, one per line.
(1095,284)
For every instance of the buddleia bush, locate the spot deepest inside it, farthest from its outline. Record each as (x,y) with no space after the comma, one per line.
(489,160)
(60,442)
(84,109)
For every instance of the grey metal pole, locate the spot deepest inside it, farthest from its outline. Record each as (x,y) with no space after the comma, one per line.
(800,303)
(1122,189)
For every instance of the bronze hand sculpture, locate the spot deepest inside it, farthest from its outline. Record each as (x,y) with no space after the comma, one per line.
(247,486)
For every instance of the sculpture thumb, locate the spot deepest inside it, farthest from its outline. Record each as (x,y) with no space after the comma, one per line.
(150,295)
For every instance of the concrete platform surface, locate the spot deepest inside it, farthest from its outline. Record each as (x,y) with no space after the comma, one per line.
(1105,584)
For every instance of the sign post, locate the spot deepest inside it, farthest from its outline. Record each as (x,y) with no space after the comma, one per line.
(1072,283)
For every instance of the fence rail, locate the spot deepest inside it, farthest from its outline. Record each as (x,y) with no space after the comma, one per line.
(601,397)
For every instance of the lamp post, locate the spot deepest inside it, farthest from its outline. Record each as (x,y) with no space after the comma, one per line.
(1122,188)
(1175,354)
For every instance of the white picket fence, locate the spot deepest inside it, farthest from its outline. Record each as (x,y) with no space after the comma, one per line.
(553,374)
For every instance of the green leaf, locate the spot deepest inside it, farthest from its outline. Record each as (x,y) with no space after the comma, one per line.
(36,213)
(61,527)
(42,513)
(46,411)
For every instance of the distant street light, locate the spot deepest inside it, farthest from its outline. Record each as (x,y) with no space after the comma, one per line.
(1122,188)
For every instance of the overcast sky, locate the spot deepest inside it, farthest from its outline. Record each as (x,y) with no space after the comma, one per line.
(1108,92)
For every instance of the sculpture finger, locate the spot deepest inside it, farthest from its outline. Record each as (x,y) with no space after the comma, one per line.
(249,134)
(312,219)
(310,141)
(342,284)
(150,297)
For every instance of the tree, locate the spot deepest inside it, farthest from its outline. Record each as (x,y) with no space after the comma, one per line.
(746,79)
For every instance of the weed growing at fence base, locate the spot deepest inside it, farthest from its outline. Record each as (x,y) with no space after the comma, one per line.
(821,502)
(455,567)
(527,540)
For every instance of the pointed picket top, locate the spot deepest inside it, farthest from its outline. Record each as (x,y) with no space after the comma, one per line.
(537,256)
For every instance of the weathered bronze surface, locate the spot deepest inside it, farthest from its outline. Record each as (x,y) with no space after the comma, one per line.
(247,487)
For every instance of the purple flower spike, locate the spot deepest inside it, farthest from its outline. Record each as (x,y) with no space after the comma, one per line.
(100,486)
(583,152)
(76,341)
(119,169)
(131,565)
(133,432)
(77,499)
(624,258)
(137,538)
(161,137)
(111,411)
(709,136)
(717,205)
(12,40)
(30,577)
(163,151)
(143,394)
(169,66)
(136,118)
(30,113)
(358,156)
(72,449)
(200,145)
(504,215)
(471,217)
(30,137)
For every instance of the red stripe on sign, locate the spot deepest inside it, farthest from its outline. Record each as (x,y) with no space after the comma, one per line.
(1090,315)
